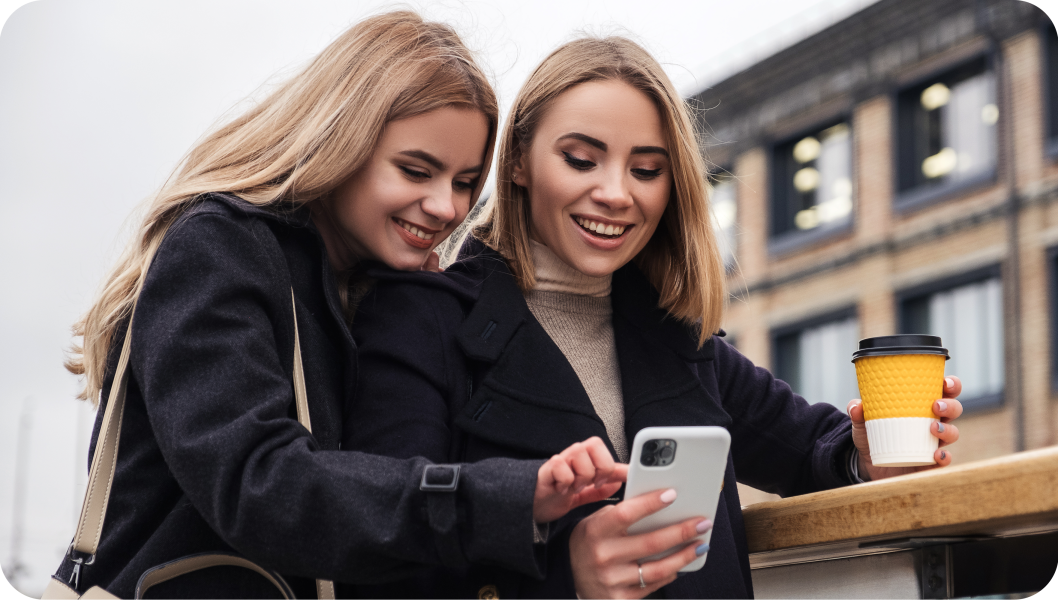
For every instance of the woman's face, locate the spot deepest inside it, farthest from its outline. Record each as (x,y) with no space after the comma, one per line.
(598,176)
(415,189)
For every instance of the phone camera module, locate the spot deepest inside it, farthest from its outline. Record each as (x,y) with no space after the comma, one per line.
(658,453)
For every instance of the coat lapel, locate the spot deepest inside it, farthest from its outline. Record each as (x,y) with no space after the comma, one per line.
(526,395)
(659,359)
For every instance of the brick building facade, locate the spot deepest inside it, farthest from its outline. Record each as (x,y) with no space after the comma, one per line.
(898,173)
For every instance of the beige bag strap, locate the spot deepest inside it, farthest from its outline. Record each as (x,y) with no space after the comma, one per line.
(104,463)
(197,562)
(324,588)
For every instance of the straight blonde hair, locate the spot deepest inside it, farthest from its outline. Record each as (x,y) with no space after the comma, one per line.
(297,146)
(682,259)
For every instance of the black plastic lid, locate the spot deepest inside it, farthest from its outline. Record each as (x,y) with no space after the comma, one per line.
(889,345)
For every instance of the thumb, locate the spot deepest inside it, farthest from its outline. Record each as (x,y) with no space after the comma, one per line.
(855,411)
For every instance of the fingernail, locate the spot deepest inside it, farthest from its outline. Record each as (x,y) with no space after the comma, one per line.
(942,405)
(703,526)
(949,382)
(943,455)
(668,496)
(700,550)
(940,428)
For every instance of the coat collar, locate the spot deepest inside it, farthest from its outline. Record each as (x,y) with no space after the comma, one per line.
(530,383)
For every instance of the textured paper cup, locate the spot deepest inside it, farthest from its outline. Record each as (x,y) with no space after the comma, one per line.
(900,376)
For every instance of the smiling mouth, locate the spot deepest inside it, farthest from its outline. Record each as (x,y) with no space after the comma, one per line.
(412,229)
(601,230)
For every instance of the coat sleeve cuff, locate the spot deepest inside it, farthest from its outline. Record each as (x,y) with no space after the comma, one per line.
(830,461)
(496,498)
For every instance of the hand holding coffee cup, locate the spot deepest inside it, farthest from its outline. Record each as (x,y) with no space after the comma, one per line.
(901,424)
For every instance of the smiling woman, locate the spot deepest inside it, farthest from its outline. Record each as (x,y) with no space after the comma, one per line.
(588,303)
(220,352)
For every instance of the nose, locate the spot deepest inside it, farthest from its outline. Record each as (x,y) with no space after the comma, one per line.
(440,204)
(612,190)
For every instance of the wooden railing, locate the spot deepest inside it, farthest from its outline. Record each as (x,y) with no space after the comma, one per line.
(1002,498)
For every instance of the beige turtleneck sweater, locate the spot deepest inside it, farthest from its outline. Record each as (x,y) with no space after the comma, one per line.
(575,311)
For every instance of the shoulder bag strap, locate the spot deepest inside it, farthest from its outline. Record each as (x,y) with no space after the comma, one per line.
(104,463)
(324,588)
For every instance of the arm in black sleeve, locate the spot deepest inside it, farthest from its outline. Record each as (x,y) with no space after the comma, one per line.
(206,338)
(780,443)
(411,370)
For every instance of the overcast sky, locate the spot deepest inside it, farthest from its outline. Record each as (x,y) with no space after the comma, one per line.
(100,99)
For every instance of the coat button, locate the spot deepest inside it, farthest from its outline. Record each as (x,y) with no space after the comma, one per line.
(488,592)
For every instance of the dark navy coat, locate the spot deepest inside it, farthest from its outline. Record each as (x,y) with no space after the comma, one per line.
(212,457)
(455,368)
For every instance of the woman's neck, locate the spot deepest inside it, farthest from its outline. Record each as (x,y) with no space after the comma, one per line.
(554,275)
(339,254)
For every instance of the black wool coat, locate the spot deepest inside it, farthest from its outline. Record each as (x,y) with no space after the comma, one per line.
(456,368)
(212,457)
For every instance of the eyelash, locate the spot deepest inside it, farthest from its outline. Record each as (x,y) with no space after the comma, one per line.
(584,165)
(416,174)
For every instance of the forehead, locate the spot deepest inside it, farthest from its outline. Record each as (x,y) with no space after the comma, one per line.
(612,111)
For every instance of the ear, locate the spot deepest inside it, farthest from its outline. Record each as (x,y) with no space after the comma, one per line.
(520,172)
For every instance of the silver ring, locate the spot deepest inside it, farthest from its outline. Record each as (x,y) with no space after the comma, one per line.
(642,583)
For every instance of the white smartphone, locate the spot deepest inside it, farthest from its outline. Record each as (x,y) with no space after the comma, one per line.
(691,460)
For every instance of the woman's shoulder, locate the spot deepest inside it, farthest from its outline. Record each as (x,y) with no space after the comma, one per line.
(227,207)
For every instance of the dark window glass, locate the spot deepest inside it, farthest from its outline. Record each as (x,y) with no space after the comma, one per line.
(969,320)
(812,181)
(725,215)
(816,360)
(947,130)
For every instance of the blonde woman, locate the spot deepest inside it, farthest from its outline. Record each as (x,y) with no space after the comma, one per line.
(374,153)
(585,305)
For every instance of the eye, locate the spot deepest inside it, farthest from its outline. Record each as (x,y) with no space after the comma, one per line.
(577,163)
(646,174)
(414,173)
(465,186)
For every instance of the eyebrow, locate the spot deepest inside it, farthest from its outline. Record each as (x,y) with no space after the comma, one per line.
(601,145)
(435,162)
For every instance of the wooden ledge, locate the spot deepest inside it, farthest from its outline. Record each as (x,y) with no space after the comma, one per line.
(1009,495)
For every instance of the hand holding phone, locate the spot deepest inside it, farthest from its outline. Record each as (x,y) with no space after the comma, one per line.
(691,460)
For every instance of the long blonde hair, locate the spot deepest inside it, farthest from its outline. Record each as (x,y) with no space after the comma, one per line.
(298,145)
(682,259)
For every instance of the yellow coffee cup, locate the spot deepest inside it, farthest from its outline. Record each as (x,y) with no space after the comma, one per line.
(900,376)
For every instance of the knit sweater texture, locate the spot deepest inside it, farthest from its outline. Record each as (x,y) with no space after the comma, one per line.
(575,311)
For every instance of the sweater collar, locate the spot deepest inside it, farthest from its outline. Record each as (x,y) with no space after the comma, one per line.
(555,275)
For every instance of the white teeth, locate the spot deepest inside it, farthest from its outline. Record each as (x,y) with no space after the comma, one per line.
(601,229)
(422,235)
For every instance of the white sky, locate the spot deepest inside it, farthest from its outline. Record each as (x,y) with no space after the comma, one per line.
(100,99)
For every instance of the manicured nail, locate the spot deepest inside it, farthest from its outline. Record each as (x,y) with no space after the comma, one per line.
(940,427)
(668,496)
(943,455)
(703,526)
(700,550)
(949,382)
(942,405)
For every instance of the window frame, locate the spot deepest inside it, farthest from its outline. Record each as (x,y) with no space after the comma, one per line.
(922,197)
(992,271)
(793,240)
(815,320)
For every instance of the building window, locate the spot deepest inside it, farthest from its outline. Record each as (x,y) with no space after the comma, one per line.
(1050,49)
(815,358)
(812,181)
(725,215)
(967,314)
(947,132)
